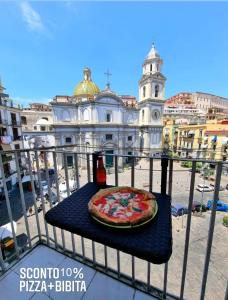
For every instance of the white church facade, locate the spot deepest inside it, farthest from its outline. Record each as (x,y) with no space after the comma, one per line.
(102,120)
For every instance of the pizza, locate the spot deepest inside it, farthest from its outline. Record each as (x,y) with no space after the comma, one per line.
(122,206)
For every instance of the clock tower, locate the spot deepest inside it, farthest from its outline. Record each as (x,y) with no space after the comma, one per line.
(151,101)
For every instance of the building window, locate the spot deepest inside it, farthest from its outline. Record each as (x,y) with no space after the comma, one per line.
(23,120)
(108,117)
(42,128)
(151,68)
(201,133)
(108,137)
(143,115)
(35,127)
(156,90)
(144,91)
(68,140)
(129,138)
(157,67)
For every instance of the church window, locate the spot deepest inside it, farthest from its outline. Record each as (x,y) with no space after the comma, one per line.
(151,68)
(129,138)
(68,139)
(108,117)
(143,115)
(108,137)
(156,90)
(144,91)
(157,67)
(42,128)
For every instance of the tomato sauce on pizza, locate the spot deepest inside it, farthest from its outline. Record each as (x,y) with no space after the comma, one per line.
(122,205)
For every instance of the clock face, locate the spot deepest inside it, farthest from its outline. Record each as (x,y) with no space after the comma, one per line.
(155,114)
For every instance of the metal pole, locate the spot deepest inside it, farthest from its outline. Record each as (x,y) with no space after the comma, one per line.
(165,281)
(170,185)
(22,199)
(211,229)
(88,167)
(76,170)
(116,170)
(118,263)
(49,193)
(164,166)
(188,227)
(42,197)
(58,195)
(151,175)
(34,195)
(133,269)
(132,172)
(148,276)
(68,194)
(8,206)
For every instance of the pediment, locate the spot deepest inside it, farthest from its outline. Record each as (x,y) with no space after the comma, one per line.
(108,98)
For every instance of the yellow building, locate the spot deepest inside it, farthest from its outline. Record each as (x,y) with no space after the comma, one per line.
(209,140)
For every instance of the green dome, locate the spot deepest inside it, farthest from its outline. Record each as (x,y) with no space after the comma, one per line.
(86,87)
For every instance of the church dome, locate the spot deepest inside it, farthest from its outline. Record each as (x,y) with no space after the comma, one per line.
(86,87)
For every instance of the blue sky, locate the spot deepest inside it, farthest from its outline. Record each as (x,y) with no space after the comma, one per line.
(45,45)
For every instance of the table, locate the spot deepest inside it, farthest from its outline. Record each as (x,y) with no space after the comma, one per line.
(152,242)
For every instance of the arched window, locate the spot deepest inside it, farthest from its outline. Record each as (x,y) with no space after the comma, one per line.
(156,90)
(108,116)
(143,115)
(151,68)
(144,91)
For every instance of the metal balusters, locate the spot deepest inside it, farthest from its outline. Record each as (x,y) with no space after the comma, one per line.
(49,193)
(22,199)
(94,253)
(118,262)
(170,184)
(132,171)
(42,197)
(133,269)
(165,280)
(2,264)
(88,167)
(34,194)
(211,229)
(76,170)
(58,195)
(148,276)
(226,293)
(8,206)
(116,170)
(68,194)
(83,247)
(188,227)
(105,257)
(151,175)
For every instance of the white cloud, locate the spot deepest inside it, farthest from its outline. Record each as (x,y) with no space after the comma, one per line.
(31,17)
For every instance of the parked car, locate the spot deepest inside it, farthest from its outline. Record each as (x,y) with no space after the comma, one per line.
(221,188)
(204,188)
(197,207)
(178,209)
(221,206)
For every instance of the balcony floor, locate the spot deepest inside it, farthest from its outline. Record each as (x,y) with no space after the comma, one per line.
(98,285)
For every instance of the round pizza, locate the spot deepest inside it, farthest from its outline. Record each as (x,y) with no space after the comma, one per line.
(123,206)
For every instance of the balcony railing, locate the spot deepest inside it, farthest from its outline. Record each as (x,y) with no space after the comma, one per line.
(164,282)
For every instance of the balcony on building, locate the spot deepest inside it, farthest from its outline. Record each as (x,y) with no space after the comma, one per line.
(108,272)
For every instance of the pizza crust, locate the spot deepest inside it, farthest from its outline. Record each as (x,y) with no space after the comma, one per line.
(130,212)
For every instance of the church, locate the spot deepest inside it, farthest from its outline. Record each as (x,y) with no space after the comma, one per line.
(95,119)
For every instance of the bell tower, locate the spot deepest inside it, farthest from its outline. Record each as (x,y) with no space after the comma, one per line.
(152,83)
(151,102)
